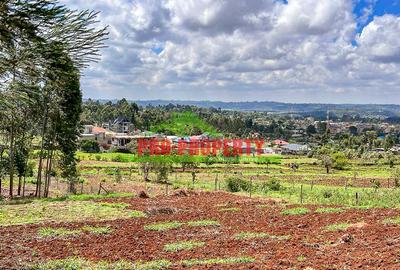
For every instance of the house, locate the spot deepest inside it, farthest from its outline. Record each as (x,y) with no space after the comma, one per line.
(269,150)
(119,125)
(94,133)
(295,149)
(279,142)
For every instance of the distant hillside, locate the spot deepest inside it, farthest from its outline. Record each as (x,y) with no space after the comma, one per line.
(185,124)
(270,106)
(305,109)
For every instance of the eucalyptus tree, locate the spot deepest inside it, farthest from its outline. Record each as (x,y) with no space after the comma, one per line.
(29,30)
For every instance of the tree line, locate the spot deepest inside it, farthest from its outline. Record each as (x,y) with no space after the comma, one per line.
(43,48)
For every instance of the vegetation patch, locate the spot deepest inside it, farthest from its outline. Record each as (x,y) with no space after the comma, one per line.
(329,210)
(255,235)
(97,230)
(301,258)
(81,264)
(215,261)
(232,209)
(187,245)
(67,211)
(57,232)
(203,223)
(137,214)
(392,221)
(337,227)
(163,226)
(185,124)
(115,205)
(296,211)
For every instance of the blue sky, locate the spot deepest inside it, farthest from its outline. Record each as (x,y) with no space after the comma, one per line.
(334,51)
(379,8)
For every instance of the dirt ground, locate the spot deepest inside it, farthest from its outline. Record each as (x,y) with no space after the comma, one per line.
(369,244)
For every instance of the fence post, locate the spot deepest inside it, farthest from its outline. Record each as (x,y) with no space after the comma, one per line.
(357,198)
(301,194)
(312,184)
(251,185)
(216,182)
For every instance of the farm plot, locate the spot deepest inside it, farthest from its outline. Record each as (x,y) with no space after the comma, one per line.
(202,230)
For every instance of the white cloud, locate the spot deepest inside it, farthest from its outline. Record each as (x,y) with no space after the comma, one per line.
(237,49)
(379,40)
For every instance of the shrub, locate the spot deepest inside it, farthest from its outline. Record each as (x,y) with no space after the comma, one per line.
(236,184)
(90,146)
(396,177)
(340,161)
(274,185)
(327,194)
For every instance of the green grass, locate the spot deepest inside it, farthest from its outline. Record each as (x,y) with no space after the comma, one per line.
(337,227)
(203,223)
(186,245)
(255,235)
(329,210)
(216,261)
(392,221)
(97,230)
(81,264)
(185,124)
(66,211)
(163,226)
(115,205)
(137,214)
(57,232)
(301,258)
(232,209)
(296,211)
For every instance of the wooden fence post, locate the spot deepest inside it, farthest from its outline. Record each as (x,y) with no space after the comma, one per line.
(301,194)
(251,185)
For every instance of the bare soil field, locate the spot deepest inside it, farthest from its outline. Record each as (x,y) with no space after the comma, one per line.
(217,230)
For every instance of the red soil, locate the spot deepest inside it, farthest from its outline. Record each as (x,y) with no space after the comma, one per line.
(370,246)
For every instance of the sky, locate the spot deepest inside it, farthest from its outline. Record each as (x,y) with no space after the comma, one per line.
(313,51)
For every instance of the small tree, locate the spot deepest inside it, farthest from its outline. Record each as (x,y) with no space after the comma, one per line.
(339,160)
(327,162)
(396,177)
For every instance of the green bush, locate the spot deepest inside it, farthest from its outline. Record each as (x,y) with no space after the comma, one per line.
(236,184)
(90,146)
(340,161)
(273,185)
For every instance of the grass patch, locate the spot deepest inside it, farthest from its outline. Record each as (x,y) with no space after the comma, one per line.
(97,230)
(301,258)
(329,210)
(67,211)
(392,221)
(153,265)
(296,211)
(254,235)
(197,262)
(203,223)
(137,214)
(81,264)
(163,226)
(115,205)
(232,209)
(186,245)
(57,232)
(337,227)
